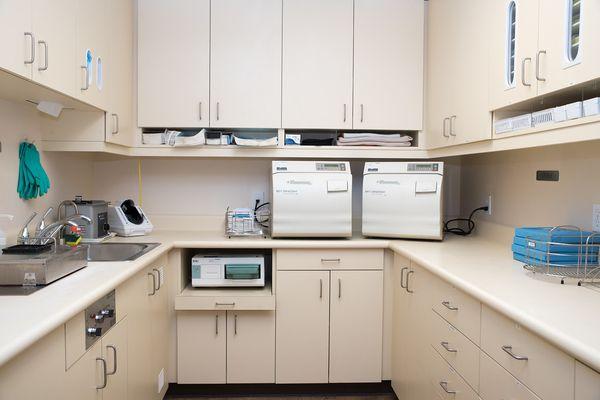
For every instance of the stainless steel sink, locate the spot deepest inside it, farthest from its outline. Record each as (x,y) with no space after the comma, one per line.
(118,251)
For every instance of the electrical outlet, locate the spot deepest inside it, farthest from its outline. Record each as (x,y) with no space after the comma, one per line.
(596,218)
(260,196)
(489,205)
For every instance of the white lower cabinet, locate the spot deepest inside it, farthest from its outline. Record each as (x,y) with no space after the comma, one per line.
(587,383)
(225,347)
(329,326)
(497,384)
(356,324)
(302,342)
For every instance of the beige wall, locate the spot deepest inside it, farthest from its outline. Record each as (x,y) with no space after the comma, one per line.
(69,174)
(518,199)
(194,187)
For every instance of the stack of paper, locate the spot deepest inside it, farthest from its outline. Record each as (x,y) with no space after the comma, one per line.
(374,139)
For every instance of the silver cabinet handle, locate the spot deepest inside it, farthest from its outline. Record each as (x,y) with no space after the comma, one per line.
(200,111)
(235,324)
(153,284)
(217,110)
(104,374)
(407,280)
(321,288)
(449,349)
(362,112)
(523,81)
(43,43)
(508,349)
(32,55)
(537,66)
(444,386)
(444,128)
(449,306)
(86,85)
(116,120)
(158,278)
(339,288)
(217,324)
(452,119)
(225,304)
(402,277)
(345,112)
(332,260)
(114,350)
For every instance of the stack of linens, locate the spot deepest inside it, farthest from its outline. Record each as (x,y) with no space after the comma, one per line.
(374,139)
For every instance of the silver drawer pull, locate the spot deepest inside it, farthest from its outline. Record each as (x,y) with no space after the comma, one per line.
(402,277)
(153,284)
(114,350)
(407,287)
(225,304)
(449,349)
(444,386)
(32,43)
(334,260)
(449,306)
(104,374)
(320,288)
(508,349)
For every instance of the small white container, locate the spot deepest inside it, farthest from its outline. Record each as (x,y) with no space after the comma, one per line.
(574,110)
(560,113)
(591,107)
(153,138)
(503,125)
(521,122)
(543,117)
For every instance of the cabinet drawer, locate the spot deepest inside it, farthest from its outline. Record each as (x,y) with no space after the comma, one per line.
(329,259)
(547,371)
(446,382)
(497,384)
(456,349)
(190,303)
(458,308)
(587,383)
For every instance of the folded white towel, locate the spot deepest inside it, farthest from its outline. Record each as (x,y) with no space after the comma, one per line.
(374,143)
(383,138)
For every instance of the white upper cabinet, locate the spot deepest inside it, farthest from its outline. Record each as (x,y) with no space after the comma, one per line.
(173,63)
(317,64)
(92,52)
(569,43)
(388,64)
(119,120)
(513,49)
(245,71)
(17,41)
(55,65)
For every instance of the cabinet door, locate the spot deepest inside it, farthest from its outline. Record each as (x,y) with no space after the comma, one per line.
(86,376)
(250,347)
(401,329)
(114,351)
(245,71)
(587,383)
(173,63)
(92,52)
(160,332)
(302,327)
(443,21)
(16,40)
(56,43)
(388,64)
(356,326)
(119,119)
(513,42)
(201,346)
(569,49)
(317,64)
(133,298)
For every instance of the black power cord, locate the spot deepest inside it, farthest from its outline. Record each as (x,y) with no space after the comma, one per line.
(457,230)
(262,222)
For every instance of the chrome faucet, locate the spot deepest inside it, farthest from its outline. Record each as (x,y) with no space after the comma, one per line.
(50,233)
(42,224)
(63,205)
(24,235)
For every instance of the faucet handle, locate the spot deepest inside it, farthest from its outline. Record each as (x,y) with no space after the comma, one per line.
(42,224)
(24,232)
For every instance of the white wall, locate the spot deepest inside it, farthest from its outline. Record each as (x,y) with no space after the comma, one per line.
(70,174)
(518,199)
(196,187)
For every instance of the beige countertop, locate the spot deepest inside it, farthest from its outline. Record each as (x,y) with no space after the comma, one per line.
(561,314)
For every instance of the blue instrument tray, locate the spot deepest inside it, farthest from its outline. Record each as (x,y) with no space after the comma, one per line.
(543,245)
(558,235)
(529,254)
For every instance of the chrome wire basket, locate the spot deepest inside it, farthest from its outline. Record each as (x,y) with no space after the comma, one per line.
(567,252)
(246,223)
